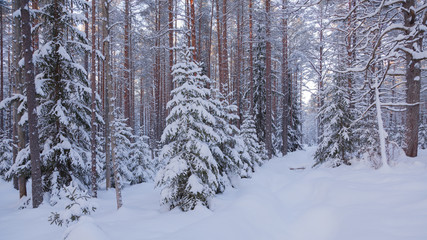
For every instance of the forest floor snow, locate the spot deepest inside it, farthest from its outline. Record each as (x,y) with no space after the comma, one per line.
(349,202)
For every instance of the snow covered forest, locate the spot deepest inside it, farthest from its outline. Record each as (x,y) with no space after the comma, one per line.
(174,113)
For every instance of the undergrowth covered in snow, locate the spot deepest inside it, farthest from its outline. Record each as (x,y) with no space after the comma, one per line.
(349,202)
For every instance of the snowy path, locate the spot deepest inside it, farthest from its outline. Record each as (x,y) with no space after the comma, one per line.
(277,203)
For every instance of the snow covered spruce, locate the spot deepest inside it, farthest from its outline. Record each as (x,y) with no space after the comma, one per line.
(200,155)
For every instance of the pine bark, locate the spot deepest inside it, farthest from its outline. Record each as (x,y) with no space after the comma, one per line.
(413,83)
(193,29)
(37,192)
(106,69)
(18,89)
(219,52)
(1,70)
(251,62)
(126,73)
(93,101)
(225,47)
(285,80)
(268,120)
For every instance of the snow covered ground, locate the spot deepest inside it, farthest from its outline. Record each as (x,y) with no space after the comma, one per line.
(277,203)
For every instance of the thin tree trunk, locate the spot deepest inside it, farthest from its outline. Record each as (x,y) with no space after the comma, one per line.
(285,80)
(219,51)
(268,142)
(171,33)
(224,46)
(193,29)
(1,70)
(108,87)
(238,63)
(413,84)
(93,105)
(19,84)
(251,57)
(126,70)
(36,185)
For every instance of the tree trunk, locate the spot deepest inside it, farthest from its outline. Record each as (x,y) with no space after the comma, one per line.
(219,50)
(126,70)
(1,70)
(19,84)
(37,191)
(193,29)
(413,84)
(285,80)
(225,47)
(93,100)
(268,120)
(251,62)
(108,86)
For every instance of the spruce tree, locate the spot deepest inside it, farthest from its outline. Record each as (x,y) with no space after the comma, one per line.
(335,144)
(259,83)
(255,147)
(64,96)
(190,174)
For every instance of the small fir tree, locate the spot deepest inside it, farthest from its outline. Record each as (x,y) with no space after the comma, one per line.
(255,147)
(190,174)
(335,118)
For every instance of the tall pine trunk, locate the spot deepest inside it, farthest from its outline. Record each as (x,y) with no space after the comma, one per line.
(108,87)
(36,185)
(413,83)
(285,80)
(93,102)
(268,120)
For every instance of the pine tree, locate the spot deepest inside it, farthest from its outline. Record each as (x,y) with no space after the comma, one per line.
(335,144)
(190,174)
(65,95)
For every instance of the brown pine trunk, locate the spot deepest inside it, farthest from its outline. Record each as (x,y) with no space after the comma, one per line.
(225,47)
(320,77)
(1,69)
(126,70)
(171,33)
(210,43)
(413,85)
(37,192)
(238,63)
(268,143)
(285,80)
(19,84)
(193,29)
(251,60)
(220,65)
(106,73)
(93,86)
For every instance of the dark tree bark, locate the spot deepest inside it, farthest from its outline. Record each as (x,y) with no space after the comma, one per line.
(106,72)
(268,120)
(37,192)
(413,82)
(93,101)
(1,69)
(193,29)
(225,47)
(126,73)
(251,62)
(285,80)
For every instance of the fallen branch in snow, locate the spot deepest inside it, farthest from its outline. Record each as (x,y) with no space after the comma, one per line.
(298,168)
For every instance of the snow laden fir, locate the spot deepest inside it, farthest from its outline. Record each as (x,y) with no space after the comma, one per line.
(202,150)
